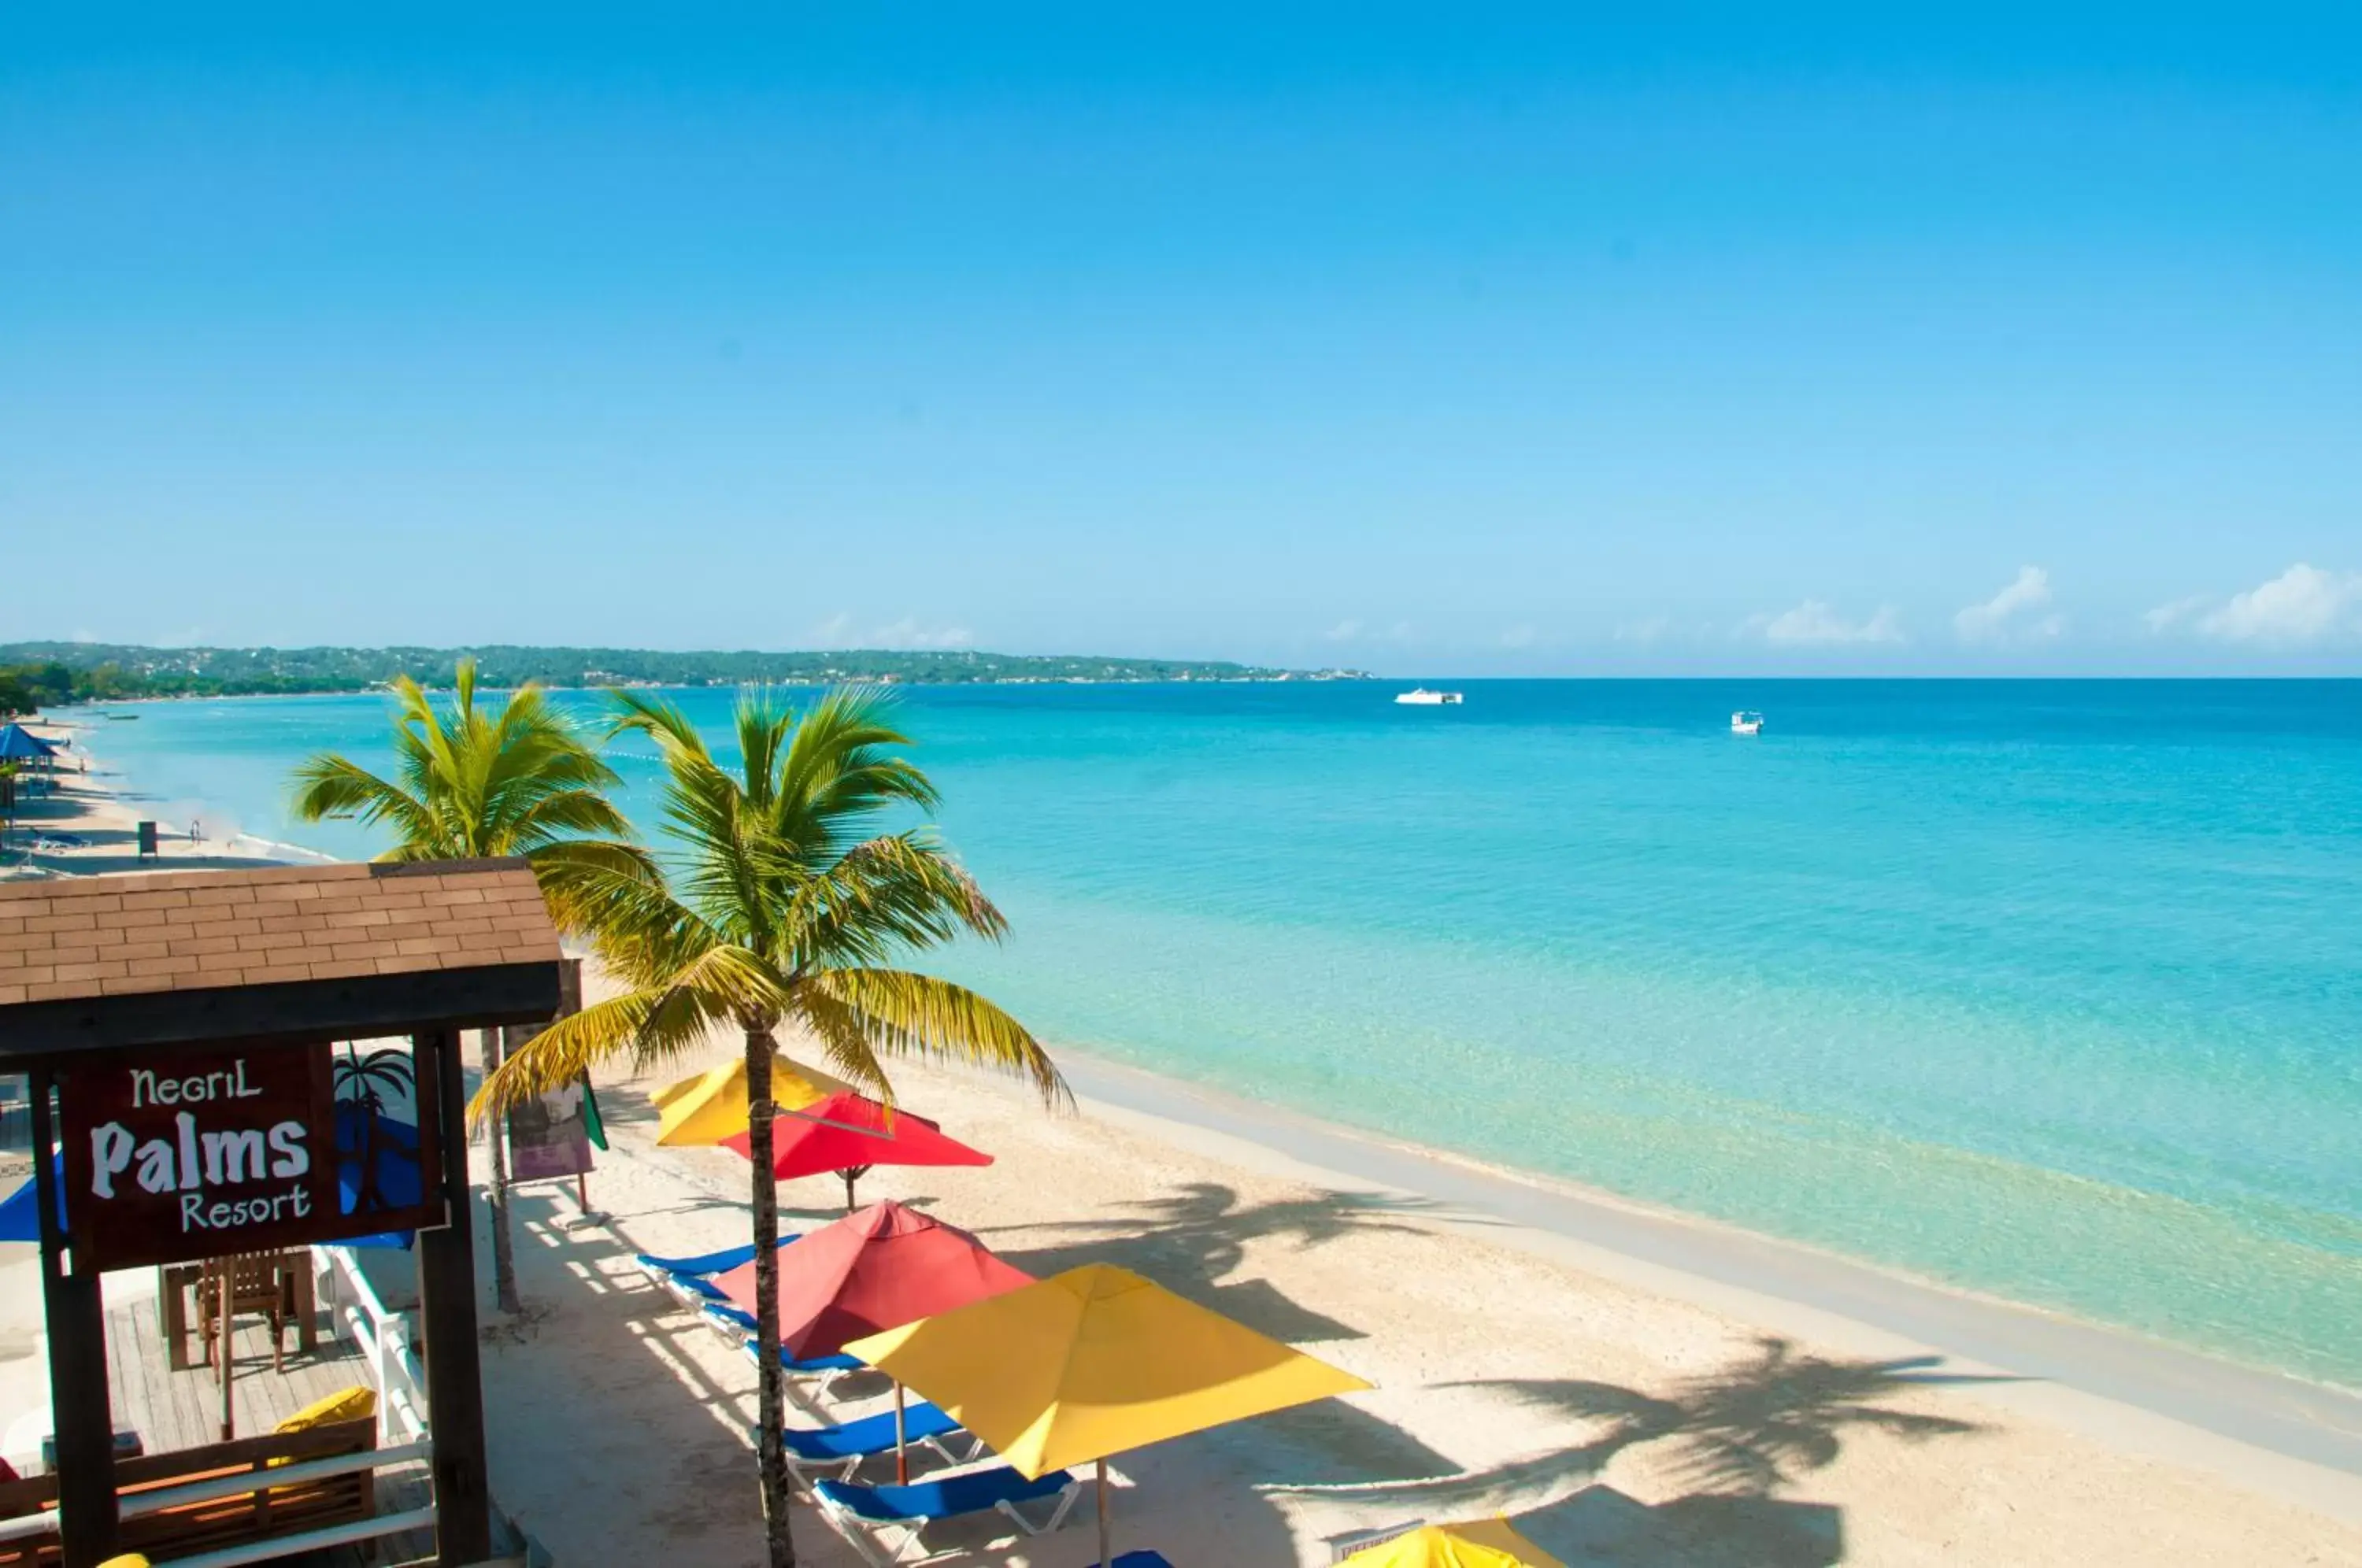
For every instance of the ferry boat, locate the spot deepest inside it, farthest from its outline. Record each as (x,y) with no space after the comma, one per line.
(1745,723)
(1421,697)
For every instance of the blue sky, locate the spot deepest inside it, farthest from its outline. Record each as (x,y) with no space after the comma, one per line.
(1439,340)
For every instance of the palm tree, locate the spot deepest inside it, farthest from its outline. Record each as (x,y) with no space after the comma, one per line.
(469,784)
(780,912)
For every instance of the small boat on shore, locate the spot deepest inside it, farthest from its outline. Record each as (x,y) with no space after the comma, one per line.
(1421,697)
(1745,723)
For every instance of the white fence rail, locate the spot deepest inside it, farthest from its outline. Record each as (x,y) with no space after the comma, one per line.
(383,1336)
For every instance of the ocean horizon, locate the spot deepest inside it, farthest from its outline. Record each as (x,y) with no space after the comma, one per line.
(2045,989)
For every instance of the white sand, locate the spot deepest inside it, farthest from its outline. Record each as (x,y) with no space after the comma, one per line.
(86,805)
(1627,1424)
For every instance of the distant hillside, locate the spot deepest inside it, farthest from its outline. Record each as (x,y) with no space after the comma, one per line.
(104,671)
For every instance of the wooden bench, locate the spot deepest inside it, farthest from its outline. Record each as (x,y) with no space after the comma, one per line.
(185,1529)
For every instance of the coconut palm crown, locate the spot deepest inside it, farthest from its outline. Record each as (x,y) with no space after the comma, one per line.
(469,784)
(783,906)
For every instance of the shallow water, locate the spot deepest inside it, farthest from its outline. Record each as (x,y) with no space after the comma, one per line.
(2048,990)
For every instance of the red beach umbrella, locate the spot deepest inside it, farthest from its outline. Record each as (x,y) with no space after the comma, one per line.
(876,1269)
(848,1133)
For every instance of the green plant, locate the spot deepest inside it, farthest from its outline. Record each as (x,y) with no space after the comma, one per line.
(778,910)
(471,784)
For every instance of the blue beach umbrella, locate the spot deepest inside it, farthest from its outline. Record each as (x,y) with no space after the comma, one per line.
(19,744)
(20,1211)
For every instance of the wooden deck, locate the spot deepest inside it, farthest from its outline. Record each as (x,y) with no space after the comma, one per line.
(182,1409)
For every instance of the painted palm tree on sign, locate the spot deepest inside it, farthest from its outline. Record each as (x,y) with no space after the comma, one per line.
(782,911)
(469,783)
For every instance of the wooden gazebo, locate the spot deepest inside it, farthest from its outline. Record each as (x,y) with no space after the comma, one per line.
(176,1029)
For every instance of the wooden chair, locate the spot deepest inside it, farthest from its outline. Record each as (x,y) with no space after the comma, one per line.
(258,1283)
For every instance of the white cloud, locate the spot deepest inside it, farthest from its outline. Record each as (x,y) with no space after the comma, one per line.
(2303,604)
(1814,623)
(2016,614)
(906,633)
(2166,617)
(1343,631)
(1517,637)
(831,633)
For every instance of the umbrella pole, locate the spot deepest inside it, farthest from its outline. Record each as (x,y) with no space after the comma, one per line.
(902,1454)
(848,1190)
(1104,1556)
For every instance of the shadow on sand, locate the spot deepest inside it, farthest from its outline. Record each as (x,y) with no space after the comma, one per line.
(1727,1440)
(1736,1435)
(1192,1240)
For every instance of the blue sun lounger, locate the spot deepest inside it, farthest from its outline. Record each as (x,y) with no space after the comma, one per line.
(843,1447)
(827,1368)
(691,1278)
(882,1522)
(1140,1559)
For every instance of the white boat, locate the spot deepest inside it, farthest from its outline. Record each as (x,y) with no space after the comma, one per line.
(1745,722)
(1421,697)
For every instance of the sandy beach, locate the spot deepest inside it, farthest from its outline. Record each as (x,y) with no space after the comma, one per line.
(89,805)
(1626,1412)
(1633,1386)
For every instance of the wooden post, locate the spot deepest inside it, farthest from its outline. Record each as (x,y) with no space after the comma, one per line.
(446,1300)
(76,1320)
(222,1344)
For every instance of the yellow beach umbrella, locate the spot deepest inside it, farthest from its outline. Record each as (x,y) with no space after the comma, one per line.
(711,1106)
(1486,1543)
(1094,1362)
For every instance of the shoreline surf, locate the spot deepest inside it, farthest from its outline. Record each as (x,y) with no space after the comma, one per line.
(1789,1286)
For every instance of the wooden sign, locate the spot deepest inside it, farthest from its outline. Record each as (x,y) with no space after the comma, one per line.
(176,1155)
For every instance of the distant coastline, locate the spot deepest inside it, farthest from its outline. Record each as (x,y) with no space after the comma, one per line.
(130,672)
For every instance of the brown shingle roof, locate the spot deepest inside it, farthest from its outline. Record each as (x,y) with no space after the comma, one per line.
(186,931)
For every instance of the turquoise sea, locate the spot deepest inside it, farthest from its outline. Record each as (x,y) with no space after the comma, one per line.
(2048,990)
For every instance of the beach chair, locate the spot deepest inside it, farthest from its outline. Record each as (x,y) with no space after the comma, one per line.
(842,1448)
(882,1523)
(827,1368)
(690,1279)
(1140,1559)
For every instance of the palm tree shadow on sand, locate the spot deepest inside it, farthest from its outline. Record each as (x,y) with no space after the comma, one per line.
(1192,1240)
(1736,1436)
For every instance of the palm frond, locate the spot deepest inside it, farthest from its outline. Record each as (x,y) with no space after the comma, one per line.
(576,875)
(562,813)
(636,1024)
(884,896)
(333,787)
(900,1013)
(840,767)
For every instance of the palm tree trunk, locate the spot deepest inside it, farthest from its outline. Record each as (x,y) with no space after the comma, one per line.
(770,1402)
(504,1285)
